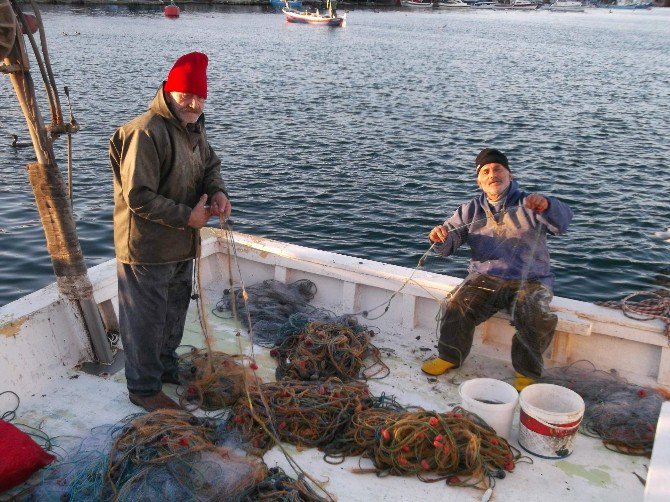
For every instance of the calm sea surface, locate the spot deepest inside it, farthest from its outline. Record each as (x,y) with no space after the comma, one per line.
(359,140)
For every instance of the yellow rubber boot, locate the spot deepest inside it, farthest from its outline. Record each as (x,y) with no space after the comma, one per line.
(521,382)
(436,366)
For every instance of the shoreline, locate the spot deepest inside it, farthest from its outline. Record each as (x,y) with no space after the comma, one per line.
(256,3)
(203,3)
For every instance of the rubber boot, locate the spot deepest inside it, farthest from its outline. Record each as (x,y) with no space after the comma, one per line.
(436,366)
(521,382)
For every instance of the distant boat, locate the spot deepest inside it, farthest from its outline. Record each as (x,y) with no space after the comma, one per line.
(452,4)
(517,5)
(279,4)
(306,17)
(627,5)
(418,4)
(566,6)
(483,5)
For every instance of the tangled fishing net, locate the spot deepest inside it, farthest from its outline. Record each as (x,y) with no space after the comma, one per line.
(163,455)
(322,349)
(345,420)
(305,414)
(279,486)
(268,306)
(622,414)
(456,446)
(210,380)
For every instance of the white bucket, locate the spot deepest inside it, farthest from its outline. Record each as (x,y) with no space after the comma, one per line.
(493,400)
(549,419)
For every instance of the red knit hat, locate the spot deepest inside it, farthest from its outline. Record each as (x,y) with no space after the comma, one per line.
(189,74)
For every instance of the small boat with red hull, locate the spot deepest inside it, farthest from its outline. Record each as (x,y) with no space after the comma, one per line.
(305,17)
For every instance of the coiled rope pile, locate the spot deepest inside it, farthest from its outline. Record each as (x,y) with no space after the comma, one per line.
(655,306)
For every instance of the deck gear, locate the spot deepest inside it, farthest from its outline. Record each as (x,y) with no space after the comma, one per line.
(158,401)
(436,366)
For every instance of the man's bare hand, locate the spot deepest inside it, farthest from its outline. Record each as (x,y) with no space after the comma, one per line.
(438,234)
(199,214)
(536,202)
(220,205)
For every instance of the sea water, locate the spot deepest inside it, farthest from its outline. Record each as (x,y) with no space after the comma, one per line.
(359,140)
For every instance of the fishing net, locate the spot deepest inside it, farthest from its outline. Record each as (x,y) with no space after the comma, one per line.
(279,486)
(324,349)
(210,380)
(163,455)
(456,446)
(307,414)
(269,305)
(622,414)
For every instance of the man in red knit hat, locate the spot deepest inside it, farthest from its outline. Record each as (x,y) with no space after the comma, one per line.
(165,173)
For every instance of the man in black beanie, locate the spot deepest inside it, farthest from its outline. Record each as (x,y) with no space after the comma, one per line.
(506,229)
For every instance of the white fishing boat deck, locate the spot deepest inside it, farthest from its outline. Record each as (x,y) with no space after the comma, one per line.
(39,357)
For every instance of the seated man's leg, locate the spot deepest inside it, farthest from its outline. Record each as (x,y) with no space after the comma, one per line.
(179,297)
(474,302)
(535,325)
(143,295)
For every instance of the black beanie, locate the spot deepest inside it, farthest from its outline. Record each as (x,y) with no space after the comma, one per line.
(490,156)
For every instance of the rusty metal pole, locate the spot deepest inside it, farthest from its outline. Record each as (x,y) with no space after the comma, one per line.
(53,203)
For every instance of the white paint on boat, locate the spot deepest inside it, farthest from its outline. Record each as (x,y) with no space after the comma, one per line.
(42,341)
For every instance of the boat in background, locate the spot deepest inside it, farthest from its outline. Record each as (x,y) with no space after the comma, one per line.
(280,4)
(517,5)
(566,6)
(627,5)
(172,10)
(452,4)
(316,17)
(483,5)
(418,4)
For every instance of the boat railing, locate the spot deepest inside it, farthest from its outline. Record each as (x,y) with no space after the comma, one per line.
(44,330)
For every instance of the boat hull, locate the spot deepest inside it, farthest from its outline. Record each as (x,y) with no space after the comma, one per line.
(516,7)
(627,7)
(309,18)
(418,5)
(42,341)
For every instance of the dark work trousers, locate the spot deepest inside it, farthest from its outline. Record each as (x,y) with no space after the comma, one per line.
(153,300)
(478,298)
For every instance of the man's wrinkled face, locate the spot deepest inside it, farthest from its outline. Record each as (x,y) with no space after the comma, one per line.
(187,106)
(494,179)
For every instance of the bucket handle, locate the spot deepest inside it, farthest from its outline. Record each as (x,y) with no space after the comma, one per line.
(552,426)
